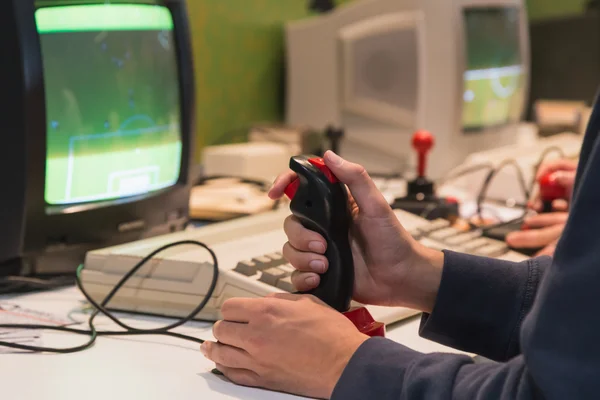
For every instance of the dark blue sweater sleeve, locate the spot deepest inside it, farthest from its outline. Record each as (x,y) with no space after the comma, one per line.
(385,370)
(481,304)
(479,308)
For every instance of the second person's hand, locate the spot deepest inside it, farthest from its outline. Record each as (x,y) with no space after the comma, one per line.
(542,232)
(391,268)
(564,170)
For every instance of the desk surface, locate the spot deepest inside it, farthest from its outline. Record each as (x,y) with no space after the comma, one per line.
(148,367)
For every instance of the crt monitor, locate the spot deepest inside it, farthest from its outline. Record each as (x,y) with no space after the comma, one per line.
(381,69)
(98,100)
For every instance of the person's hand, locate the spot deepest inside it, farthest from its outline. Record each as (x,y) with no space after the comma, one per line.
(543,231)
(284,342)
(540,231)
(391,268)
(564,170)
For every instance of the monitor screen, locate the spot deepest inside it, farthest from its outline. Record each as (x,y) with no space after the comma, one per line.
(112,101)
(494,84)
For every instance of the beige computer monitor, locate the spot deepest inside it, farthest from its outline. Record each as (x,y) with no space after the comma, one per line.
(382,69)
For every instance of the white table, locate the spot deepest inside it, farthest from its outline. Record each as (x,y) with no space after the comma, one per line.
(145,367)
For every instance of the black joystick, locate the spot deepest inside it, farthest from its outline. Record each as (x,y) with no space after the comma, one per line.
(320,201)
(335,136)
(420,198)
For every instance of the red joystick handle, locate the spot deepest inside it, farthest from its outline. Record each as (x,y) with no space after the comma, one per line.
(364,322)
(422,142)
(551,190)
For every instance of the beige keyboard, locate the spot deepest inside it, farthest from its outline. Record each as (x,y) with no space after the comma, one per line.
(250,265)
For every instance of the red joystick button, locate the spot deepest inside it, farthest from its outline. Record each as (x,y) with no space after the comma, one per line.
(292,188)
(550,189)
(451,200)
(320,163)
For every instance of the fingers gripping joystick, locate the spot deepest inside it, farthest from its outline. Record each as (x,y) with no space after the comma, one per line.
(320,201)
(550,190)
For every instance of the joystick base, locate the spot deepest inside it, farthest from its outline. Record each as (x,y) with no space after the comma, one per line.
(420,187)
(421,200)
(364,322)
(428,209)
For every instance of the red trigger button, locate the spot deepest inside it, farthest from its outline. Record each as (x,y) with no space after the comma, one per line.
(320,163)
(292,188)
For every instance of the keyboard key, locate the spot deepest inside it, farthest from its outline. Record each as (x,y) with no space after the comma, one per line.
(272,275)
(277,259)
(247,268)
(264,262)
(435,245)
(274,256)
(493,249)
(285,283)
(463,238)
(443,234)
(473,245)
(287,268)
(434,226)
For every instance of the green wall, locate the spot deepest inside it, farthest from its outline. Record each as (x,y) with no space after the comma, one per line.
(238,51)
(540,9)
(238,57)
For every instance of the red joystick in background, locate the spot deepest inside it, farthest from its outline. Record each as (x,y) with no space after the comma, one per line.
(422,142)
(421,198)
(550,190)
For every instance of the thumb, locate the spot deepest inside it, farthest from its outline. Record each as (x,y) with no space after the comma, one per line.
(368,198)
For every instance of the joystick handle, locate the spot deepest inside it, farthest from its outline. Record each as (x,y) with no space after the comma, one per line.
(320,202)
(550,190)
(422,142)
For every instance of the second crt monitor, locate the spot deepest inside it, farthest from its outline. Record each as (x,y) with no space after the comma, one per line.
(381,69)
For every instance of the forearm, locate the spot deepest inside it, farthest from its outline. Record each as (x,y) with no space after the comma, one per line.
(481,304)
(382,369)
(475,304)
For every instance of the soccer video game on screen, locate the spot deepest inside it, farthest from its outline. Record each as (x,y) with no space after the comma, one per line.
(112,101)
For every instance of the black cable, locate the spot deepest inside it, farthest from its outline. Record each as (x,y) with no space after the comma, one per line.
(100,308)
(492,174)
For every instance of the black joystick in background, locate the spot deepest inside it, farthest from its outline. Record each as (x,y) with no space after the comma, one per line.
(421,198)
(320,201)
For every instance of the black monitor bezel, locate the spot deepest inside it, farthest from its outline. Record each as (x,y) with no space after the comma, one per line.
(28,233)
